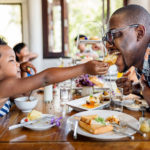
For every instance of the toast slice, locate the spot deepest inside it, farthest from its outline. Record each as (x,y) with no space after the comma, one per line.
(96,81)
(95,128)
(88,119)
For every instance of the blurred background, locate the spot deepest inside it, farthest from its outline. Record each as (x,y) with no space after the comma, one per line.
(49,27)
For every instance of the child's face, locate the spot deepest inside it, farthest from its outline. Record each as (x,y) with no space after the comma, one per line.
(8,65)
(24,52)
(81,47)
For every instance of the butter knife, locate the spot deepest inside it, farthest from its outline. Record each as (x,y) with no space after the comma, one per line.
(133,128)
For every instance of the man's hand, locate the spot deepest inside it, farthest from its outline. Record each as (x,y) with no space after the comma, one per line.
(25,67)
(96,67)
(145,89)
(125,83)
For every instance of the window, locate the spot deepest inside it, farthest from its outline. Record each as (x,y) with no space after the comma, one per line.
(11,23)
(61,17)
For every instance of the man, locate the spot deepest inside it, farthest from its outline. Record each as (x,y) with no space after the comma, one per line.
(129,33)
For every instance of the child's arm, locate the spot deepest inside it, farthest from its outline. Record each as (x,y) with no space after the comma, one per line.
(13,86)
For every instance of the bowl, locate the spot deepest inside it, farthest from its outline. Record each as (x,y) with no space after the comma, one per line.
(24,105)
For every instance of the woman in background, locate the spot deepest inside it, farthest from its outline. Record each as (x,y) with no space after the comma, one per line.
(23,54)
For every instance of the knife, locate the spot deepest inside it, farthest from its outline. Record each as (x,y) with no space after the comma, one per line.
(143,134)
(75,130)
(28,123)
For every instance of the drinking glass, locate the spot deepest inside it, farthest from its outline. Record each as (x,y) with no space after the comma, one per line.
(65,95)
(116,101)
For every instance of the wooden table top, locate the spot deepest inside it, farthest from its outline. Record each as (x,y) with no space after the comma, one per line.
(60,138)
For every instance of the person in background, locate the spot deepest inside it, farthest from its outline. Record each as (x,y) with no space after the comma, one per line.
(96,46)
(22,53)
(81,46)
(11,85)
(84,51)
(129,34)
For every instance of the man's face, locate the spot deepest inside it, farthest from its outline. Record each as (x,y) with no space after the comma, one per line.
(8,65)
(125,42)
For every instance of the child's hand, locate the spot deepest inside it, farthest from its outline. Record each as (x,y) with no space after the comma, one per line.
(25,67)
(96,67)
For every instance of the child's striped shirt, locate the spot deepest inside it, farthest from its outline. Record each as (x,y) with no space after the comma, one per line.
(5,109)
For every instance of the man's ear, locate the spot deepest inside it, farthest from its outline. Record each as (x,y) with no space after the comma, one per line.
(140,30)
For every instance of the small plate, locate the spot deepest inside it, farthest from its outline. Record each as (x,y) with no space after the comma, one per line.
(136,107)
(77,104)
(41,125)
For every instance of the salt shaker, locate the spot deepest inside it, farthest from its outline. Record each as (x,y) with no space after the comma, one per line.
(48,93)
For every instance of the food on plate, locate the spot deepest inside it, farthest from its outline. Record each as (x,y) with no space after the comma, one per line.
(105,93)
(130,96)
(110,59)
(34,114)
(96,81)
(95,124)
(92,102)
(112,119)
(137,101)
(103,98)
(95,101)
(88,119)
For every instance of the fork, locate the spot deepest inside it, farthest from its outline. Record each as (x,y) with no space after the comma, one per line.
(123,133)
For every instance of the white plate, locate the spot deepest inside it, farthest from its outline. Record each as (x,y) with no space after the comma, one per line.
(136,107)
(77,104)
(106,113)
(39,126)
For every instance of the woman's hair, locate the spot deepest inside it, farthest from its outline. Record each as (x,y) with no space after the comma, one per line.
(17,48)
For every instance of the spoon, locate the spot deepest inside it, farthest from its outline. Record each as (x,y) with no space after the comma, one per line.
(29,96)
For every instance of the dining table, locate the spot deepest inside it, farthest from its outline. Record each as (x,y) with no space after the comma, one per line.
(61,138)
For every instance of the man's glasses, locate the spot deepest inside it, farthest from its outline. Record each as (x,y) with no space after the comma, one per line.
(114,33)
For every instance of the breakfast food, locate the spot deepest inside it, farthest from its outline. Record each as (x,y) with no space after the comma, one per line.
(34,114)
(112,119)
(111,59)
(95,101)
(96,81)
(94,124)
(92,102)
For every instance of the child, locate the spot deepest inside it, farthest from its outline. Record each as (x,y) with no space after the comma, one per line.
(84,51)
(11,85)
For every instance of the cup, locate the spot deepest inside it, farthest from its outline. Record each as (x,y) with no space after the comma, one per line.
(65,94)
(116,103)
(65,90)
